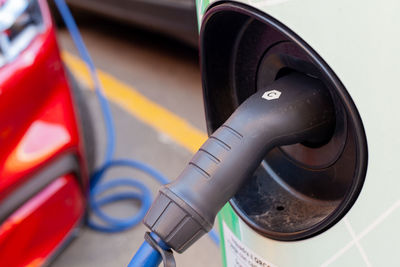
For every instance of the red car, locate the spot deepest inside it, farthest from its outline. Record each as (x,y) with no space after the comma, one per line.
(44,166)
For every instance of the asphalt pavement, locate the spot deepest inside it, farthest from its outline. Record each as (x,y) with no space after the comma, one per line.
(166,72)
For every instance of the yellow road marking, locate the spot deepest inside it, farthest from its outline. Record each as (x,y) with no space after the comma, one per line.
(139,106)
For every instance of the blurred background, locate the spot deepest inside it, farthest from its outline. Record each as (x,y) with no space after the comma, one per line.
(147,59)
(152,49)
(175,18)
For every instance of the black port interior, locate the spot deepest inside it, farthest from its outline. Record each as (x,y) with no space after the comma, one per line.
(299,190)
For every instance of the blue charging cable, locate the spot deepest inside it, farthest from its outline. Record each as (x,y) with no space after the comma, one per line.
(97,187)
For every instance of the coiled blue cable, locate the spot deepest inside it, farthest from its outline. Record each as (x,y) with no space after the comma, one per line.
(110,223)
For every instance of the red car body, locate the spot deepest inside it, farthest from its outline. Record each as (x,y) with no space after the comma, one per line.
(43,171)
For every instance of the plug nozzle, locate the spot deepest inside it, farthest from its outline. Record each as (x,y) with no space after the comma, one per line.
(296,108)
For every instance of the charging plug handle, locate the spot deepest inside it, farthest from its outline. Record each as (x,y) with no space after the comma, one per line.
(296,108)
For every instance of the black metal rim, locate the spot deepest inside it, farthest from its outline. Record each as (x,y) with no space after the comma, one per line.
(352,113)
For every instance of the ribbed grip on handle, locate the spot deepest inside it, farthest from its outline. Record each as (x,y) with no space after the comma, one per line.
(175,220)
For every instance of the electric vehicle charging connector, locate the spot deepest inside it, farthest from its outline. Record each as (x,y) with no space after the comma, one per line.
(294,109)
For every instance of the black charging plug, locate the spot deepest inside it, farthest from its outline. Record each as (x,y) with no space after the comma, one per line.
(294,109)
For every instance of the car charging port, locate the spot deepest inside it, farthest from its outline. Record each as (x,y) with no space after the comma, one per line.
(302,189)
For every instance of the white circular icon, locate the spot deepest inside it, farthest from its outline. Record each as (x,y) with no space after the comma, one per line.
(272,94)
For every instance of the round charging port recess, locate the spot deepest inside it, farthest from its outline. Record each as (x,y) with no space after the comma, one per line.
(299,190)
